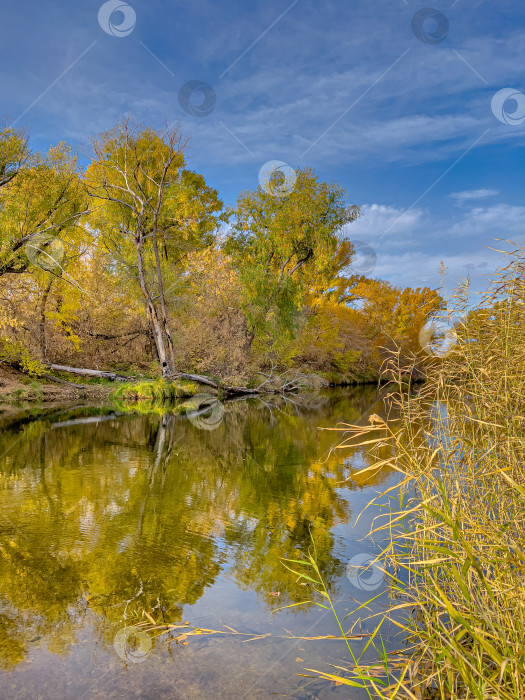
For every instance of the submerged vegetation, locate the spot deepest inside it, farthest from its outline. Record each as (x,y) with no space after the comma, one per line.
(455,565)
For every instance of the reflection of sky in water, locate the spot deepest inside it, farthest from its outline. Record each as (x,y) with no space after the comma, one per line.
(193,530)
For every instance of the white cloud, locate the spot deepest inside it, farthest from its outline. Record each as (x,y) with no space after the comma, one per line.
(469,195)
(411,246)
(487,223)
(388,223)
(419,269)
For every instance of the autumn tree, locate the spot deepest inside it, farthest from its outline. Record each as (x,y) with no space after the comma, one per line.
(282,245)
(41,207)
(41,201)
(391,312)
(152,212)
(13,154)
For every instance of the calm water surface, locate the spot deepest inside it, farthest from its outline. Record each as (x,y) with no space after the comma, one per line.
(105,514)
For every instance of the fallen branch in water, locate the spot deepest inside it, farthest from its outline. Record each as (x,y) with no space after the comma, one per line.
(199,379)
(288,386)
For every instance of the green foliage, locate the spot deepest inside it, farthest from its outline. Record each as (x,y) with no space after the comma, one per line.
(43,199)
(282,245)
(129,165)
(151,212)
(343,361)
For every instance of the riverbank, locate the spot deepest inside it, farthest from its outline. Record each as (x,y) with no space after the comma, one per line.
(17,388)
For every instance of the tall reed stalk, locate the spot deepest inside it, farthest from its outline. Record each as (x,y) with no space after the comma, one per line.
(456,555)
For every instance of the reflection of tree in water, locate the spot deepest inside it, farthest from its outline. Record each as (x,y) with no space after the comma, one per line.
(144,511)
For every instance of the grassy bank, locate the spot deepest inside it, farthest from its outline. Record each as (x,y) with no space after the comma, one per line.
(158,390)
(456,560)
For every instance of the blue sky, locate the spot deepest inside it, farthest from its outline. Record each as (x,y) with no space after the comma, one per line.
(403,122)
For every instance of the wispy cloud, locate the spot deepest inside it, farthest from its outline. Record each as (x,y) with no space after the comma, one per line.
(417,269)
(297,80)
(469,195)
(411,253)
(488,223)
(376,219)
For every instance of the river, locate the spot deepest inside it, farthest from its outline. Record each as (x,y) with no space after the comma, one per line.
(105,514)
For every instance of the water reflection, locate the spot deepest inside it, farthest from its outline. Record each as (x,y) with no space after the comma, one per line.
(105,514)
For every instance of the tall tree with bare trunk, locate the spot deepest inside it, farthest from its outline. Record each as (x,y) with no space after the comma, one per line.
(152,213)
